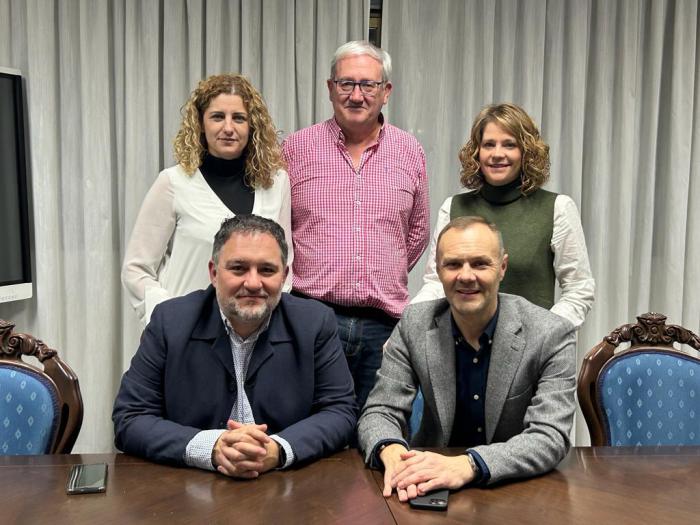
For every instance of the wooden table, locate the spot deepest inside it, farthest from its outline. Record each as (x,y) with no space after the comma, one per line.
(334,490)
(592,486)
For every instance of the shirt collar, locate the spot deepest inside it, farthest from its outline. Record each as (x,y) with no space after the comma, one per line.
(337,131)
(252,337)
(486,335)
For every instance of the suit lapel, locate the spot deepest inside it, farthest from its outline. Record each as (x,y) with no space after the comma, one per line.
(261,353)
(440,357)
(210,327)
(506,354)
(222,351)
(264,347)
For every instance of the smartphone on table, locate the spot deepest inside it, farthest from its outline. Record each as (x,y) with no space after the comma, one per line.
(435,500)
(87,479)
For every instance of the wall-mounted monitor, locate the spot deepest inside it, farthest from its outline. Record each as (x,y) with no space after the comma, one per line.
(15,233)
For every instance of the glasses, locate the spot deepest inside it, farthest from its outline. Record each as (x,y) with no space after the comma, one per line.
(367,87)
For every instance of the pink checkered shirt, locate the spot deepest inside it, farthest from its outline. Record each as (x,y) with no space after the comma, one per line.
(357,233)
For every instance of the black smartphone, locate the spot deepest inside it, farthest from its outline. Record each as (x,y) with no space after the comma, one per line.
(435,500)
(87,479)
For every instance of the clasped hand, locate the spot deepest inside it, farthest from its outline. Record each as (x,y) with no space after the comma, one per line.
(245,451)
(413,473)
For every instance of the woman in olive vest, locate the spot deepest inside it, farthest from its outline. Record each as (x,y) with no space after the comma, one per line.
(505,163)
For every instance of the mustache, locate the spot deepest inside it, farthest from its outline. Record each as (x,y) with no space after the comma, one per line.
(262,295)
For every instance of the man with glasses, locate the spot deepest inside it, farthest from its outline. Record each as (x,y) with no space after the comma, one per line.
(360,211)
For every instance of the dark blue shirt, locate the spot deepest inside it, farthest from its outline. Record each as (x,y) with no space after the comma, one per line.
(468,429)
(472,367)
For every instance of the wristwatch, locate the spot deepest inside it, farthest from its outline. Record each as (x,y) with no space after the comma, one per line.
(474,465)
(283,457)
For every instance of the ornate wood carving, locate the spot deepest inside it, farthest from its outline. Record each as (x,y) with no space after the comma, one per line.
(5,331)
(651,329)
(14,345)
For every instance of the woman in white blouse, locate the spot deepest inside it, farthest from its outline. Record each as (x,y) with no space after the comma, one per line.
(505,163)
(229,163)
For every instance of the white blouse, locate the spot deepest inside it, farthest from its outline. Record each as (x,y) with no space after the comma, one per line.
(571,266)
(171,243)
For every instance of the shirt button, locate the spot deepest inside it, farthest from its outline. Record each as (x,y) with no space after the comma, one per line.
(357,285)
(476,397)
(357,203)
(475,360)
(479,429)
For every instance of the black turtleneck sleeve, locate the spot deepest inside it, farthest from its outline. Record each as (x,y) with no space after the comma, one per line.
(227,179)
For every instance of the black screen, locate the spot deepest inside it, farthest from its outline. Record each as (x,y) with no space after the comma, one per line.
(15,264)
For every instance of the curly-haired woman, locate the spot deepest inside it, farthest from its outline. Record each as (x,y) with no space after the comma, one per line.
(229,163)
(505,163)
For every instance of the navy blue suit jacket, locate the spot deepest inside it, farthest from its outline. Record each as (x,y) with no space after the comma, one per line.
(182,380)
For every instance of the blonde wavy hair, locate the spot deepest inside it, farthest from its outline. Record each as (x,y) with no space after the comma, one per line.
(515,121)
(264,155)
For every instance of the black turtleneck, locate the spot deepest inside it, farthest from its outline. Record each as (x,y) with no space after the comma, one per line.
(227,179)
(500,195)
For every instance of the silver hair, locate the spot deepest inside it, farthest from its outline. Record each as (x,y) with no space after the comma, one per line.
(362,47)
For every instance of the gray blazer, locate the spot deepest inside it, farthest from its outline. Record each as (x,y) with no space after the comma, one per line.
(529,389)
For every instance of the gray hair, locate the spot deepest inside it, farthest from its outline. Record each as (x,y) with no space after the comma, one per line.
(462,223)
(248,224)
(362,47)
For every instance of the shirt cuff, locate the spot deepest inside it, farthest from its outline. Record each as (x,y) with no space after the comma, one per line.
(484,474)
(287,450)
(374,459)
(200,448)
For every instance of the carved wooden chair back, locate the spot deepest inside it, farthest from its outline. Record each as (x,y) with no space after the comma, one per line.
(41,409)
(647,394)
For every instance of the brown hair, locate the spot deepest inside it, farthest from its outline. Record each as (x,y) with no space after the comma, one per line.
(464,222)
(264,153)
(515,121)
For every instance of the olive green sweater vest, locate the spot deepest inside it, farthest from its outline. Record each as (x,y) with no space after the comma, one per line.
(526,223)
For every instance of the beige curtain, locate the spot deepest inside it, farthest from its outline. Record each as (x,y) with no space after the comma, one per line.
(105,81)
(614,86)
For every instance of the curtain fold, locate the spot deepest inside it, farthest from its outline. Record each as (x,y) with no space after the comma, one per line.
(105,80)
(614,87)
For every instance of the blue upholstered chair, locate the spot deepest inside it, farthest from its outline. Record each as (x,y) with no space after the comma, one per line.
(647,394)
(41,411)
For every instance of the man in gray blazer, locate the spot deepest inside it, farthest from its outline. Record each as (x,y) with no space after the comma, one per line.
(497,374)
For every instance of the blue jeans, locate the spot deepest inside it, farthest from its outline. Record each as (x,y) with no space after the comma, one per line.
(362,341)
